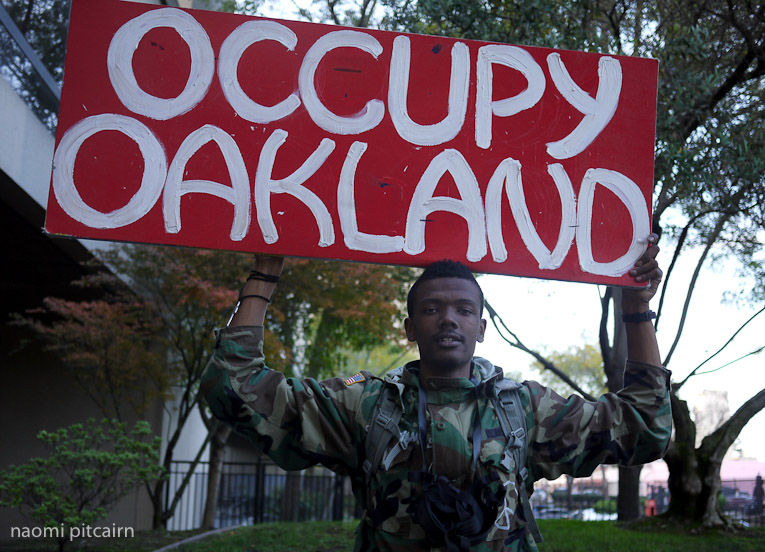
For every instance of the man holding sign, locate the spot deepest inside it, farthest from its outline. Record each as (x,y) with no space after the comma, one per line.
(210,130)
(442,451)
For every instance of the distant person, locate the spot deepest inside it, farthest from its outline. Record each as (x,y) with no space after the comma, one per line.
(461,445)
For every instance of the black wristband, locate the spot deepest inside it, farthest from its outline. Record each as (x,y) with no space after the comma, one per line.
(638,317)
(266,299)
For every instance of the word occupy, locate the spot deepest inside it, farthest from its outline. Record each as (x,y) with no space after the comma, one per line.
(482,183)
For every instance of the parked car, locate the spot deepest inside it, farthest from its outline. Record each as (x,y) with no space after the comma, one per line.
(552,512)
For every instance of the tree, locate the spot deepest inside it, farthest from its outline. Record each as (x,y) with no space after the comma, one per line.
(325,311)
(146,338)
(97,341)
(157,327)
(709,165)
(324,315)
(89,468)
(583,364)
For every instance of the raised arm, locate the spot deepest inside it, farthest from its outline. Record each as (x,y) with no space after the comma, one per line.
(257,291)
(641,337)
(297,422)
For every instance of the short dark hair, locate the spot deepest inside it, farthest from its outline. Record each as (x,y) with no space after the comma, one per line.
(442,269)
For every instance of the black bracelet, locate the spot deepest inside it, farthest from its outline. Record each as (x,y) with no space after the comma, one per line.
(257,275)
(638,317)
(266,299)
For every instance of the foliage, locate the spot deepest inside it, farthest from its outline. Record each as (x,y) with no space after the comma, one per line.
(89,468)
(323,312)
(604,506)
(106,346)
(583,364)
(43,23)
(154,330)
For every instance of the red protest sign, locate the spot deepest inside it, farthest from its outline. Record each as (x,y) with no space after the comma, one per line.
(223,131)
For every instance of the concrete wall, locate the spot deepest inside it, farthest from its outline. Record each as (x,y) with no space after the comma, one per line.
(37,392)
(26,145)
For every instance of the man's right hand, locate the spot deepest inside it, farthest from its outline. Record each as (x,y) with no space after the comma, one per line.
(257,291)
(269,264)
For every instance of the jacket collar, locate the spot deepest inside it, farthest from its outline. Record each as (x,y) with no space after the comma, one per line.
(408,375)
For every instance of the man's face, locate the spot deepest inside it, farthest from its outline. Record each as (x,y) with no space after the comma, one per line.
(446,324)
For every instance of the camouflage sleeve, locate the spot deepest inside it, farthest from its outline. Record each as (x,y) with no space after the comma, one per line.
(298,423)
(573,436)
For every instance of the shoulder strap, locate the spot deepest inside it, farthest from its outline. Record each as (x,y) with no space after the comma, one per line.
(512,419)
(383,426)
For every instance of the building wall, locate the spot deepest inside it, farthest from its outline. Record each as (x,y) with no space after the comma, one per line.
(36,392)
(26,145)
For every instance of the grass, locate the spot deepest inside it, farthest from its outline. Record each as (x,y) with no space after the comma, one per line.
(315,536)
(563,535)
(560,536)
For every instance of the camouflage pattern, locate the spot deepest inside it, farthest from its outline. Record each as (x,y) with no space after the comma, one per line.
(299,423)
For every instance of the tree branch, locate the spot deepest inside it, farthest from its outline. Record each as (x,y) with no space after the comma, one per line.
(605,344)
(676,254)
(695,370)
(711,239)
(497,321)
(720,440)
(178,493)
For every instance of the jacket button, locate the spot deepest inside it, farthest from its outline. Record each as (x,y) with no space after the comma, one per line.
(440,426)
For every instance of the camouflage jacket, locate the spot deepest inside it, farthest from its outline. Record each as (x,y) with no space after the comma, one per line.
(300,423)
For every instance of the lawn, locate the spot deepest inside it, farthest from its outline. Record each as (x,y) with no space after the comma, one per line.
(560,536)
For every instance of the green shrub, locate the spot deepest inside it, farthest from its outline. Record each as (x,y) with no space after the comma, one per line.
(604,506)
(89,468)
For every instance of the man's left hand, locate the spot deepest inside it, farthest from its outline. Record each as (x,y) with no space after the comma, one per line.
(646,269)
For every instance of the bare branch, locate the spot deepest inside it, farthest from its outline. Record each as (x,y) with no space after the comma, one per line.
(515,342)
(695,371)
(680,243)
(191,472)
(723,437)
(605,344)
(757,351)
(711,239)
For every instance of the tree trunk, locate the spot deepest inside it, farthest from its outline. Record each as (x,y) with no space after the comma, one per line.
(569,491)
(157,520)
(628,500)
(694,473)
(217,450)
(614,357)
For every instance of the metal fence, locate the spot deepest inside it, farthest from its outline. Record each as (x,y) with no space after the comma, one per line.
(736,501)
(257,492)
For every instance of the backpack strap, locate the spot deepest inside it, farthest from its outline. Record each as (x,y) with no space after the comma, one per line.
(512,419)
(383,426)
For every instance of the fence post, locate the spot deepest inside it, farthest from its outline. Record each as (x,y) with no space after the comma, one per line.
(337,505)
(260,483)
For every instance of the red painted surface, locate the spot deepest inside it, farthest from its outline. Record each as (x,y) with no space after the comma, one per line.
(109,164)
